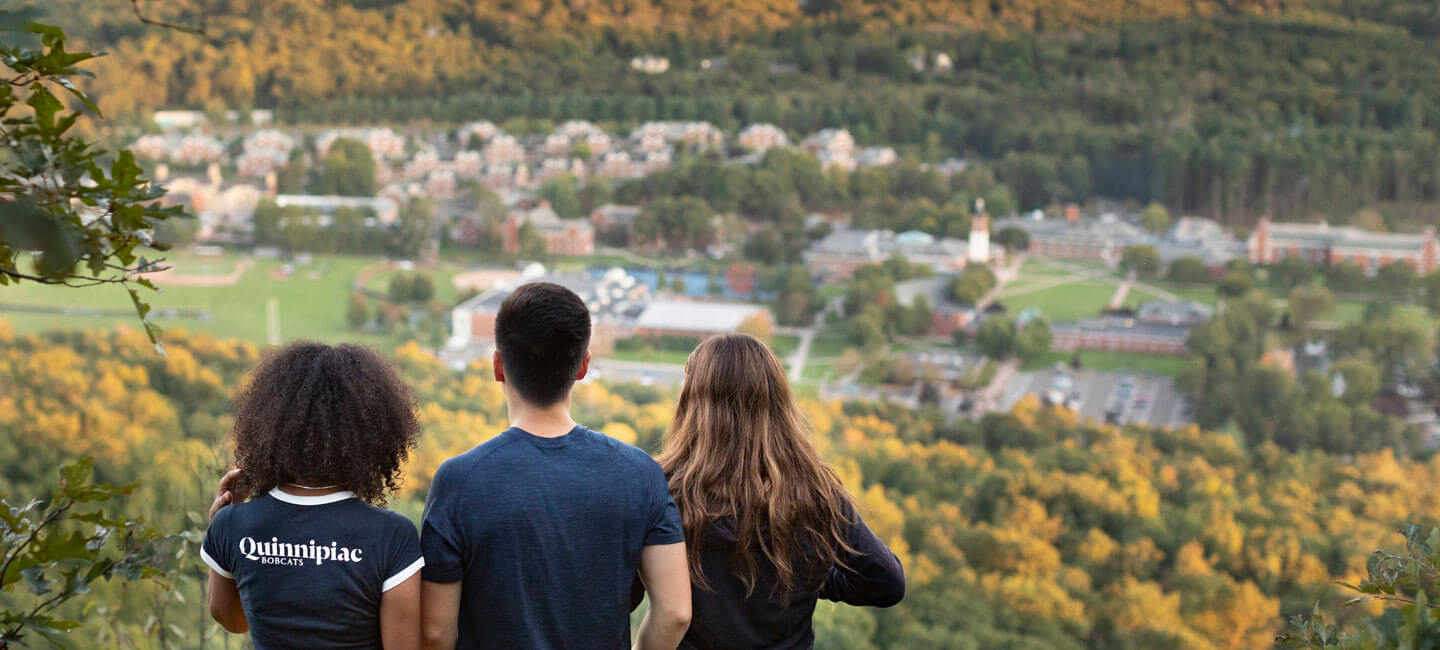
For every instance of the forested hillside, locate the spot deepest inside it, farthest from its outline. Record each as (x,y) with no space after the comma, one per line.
(1231,108)
(1024,530)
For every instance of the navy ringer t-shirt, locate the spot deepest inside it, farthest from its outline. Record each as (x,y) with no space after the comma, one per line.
(546,535)
(311,570)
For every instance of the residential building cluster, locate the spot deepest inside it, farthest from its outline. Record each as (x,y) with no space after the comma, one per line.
(481,153)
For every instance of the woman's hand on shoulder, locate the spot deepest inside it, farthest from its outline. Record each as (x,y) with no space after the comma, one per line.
(223,497)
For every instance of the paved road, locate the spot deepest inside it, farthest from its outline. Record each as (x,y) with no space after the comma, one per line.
(650,374)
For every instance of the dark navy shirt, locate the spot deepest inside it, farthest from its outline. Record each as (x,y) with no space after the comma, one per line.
(546,534)
(311,570)
(727,617)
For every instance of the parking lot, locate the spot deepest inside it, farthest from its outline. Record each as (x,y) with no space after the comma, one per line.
(1118,397)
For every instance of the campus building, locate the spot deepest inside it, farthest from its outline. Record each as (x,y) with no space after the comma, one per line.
(1322,245)
(1105,239)
(561,236)
(836,257)
(1114,334)
(615,223)
(697,319)
(614,299)
(1075,238)
(946,315)
(1185,312)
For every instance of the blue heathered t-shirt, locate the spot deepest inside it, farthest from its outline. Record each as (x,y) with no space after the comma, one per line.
(546,534)
(311,571)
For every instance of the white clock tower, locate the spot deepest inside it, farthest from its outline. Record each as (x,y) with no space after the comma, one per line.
(979,234)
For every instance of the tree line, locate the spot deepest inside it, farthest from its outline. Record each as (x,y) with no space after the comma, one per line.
(1231,110)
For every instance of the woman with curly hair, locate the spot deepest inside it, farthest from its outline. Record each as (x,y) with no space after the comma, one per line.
(306,557)
(769,529)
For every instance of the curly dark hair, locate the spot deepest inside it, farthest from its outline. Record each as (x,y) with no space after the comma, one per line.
(315,414)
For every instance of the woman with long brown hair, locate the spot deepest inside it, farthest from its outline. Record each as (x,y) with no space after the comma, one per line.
(769,529)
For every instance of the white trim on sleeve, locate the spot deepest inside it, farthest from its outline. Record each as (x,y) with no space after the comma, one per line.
(404,574)
(214,566)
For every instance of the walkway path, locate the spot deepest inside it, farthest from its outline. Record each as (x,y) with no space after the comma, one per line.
(1002,278)
(802,353)
(1122,290)
(170,277)
(801,356)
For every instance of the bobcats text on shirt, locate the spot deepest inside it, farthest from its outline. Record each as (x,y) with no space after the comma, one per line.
(311,570)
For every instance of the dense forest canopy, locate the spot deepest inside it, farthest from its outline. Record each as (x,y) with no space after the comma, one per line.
(1027,529)
(1230,108)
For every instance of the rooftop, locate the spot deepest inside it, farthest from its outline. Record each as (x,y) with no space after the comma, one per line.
(615,295)
(1175,313)
(708,317)
(1129,326)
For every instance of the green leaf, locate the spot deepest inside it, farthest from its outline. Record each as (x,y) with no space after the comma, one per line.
(50,33)
(45,106)
(35,578)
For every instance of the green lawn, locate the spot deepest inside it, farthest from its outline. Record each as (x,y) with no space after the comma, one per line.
(1063,303)
(311,301)
(444,288)
(1201,293)
(1027,281)
(1036,267)
(1347,311)
(818,371)
(784,345)
(651,355)
(829,344)
(1115,361)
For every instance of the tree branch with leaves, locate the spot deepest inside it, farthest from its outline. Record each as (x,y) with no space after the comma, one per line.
(61,546)
(72,214)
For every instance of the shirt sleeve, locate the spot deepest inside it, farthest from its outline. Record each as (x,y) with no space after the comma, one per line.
(405,556)
(217,551)
(870,576)
(665,525)
(440,538)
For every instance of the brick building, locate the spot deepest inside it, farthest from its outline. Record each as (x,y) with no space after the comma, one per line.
(1113,334)
(1322,245)
(561,236)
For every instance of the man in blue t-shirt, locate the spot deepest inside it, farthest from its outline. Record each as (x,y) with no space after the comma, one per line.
(532,539)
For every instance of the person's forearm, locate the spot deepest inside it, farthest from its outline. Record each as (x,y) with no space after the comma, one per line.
(225,606)
(438,639)
(660,631)
(871,576)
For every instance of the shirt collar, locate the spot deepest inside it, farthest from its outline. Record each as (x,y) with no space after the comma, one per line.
(298,500)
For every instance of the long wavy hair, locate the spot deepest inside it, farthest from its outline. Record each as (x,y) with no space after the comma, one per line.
(739,450)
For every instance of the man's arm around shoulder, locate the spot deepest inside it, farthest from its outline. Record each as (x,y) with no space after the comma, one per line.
(666,574)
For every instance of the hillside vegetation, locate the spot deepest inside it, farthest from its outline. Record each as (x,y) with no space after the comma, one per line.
(1231,108)
(1024,530)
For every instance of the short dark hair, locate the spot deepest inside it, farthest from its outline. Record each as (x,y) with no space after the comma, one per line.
(320,415)
(542,333)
